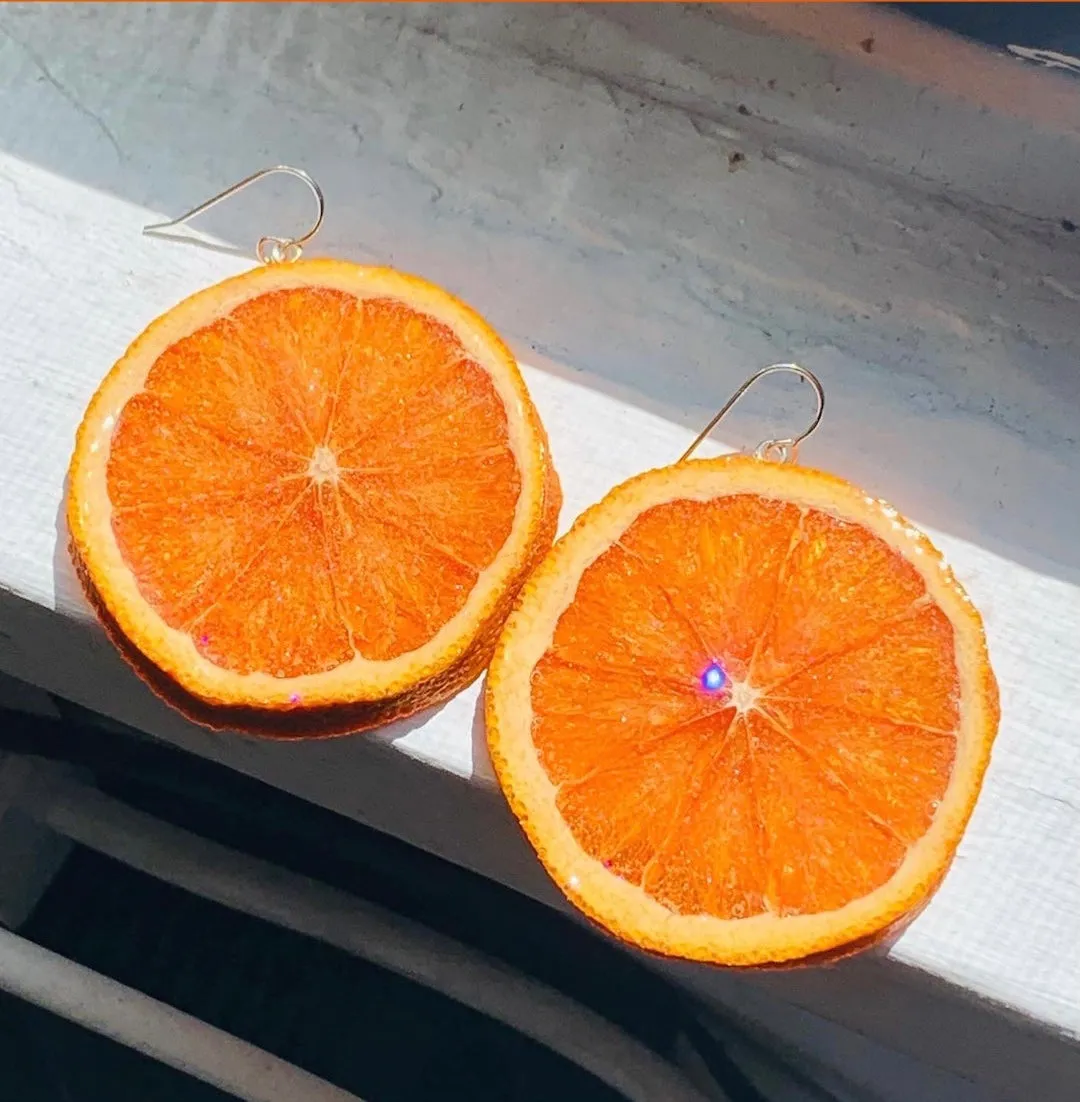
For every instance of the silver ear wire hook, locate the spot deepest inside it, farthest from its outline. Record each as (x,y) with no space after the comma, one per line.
(779,451)
(269,250)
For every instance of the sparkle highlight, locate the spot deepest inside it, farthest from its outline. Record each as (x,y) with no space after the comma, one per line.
(714,679)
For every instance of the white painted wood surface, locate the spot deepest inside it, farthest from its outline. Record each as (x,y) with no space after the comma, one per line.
(569,172)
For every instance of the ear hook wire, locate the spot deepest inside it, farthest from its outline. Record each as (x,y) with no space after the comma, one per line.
(779,451)
(269,250)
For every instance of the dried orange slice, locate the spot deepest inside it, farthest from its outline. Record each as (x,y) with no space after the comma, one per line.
(743,712)
(304,499)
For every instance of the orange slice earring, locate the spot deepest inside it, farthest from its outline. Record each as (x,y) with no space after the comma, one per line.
(743,709)
(303,500)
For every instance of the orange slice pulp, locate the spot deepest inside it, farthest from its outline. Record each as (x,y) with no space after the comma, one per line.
(743,713)
(302,502)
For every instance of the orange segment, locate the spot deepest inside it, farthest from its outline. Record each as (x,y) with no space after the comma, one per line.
(252,378)
(821,847)
(904,672)
(860,585)
(586,720)
(725,581)
(280,614)
(711,861)
(187,532)
(895,773)
(397,364)
(661,776)
(619,622)
(313,485)
(743,712)
(390,610)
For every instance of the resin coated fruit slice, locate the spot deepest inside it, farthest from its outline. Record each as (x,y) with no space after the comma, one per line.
(743,713)
(305,498)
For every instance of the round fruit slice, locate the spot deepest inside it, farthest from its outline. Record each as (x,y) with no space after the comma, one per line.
(743,712)
(304,499)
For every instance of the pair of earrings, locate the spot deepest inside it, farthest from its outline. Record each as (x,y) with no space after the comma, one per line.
(317,497)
